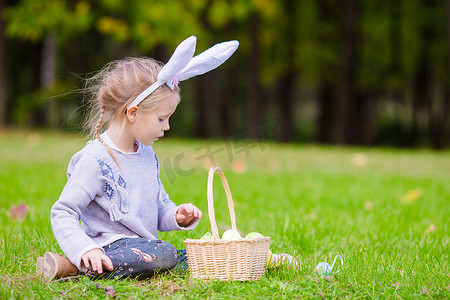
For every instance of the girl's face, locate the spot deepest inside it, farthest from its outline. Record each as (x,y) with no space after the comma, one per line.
(151,125)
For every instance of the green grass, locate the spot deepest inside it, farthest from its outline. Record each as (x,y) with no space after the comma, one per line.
(385,211)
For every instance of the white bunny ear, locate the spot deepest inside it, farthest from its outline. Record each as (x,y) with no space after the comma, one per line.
(182,65)
(208,60)
(180,58)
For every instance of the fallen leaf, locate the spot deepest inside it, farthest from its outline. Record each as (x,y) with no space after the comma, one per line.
(110,291)
(431,228)
(34,139)
(359,159)
(412,196)
(18,212)
(239,166)
(311,216)
(368,205)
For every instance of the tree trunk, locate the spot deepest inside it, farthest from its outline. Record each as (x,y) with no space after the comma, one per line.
(444,136)
(442,133)
(358,120)
(286,83)
(47,78)
(205,91)
(422,81)
(438,120)
(397,93)
(224,98)
(204,99)
(418,96)
(4,85)
(325,99)
(438,110)
(326,96)
(395,27)
(345,122)
(255,101)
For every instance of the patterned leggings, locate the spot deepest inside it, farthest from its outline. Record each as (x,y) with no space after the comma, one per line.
(141,256)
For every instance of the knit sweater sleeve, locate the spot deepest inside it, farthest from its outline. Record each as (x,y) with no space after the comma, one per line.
(81,188)
(167,209)
(167,213)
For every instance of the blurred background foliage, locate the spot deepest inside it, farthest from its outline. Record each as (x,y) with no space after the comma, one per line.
(364,72)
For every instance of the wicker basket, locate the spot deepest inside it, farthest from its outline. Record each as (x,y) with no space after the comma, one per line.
(241,259)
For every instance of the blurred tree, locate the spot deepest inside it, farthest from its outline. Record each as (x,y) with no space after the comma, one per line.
(150,23)
(269,65)
(443,134)
(422,72)
(360,72)
(289,40)
(347,109)
(4,82)
(206,96)
(47,22)
(327,41)
(429,73)
(437,104)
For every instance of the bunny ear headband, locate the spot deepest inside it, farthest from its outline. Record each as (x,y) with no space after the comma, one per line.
(182,65)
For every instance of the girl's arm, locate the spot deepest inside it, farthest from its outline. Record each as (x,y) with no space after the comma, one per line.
(65,220)
(82,186)
(171,217)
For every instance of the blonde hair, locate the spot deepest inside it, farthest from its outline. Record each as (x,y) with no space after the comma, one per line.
(111,90)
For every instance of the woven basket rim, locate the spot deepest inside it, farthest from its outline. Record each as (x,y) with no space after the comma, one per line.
(220,241)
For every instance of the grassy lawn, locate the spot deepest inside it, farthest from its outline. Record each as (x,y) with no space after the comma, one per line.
(385,211)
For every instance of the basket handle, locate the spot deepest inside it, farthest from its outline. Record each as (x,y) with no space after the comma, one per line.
(212,217)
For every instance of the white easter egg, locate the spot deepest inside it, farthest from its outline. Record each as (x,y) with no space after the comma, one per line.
(231,234)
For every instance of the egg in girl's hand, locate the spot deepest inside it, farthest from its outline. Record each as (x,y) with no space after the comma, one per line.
(254,235)
(231,234)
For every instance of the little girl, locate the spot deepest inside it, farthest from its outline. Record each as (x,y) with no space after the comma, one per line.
(109,212)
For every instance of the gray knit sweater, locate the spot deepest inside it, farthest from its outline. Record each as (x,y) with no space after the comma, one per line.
(111,202)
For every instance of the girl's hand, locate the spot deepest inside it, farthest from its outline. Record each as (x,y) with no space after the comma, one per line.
(96,258)
(186,214)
